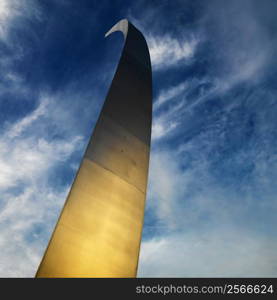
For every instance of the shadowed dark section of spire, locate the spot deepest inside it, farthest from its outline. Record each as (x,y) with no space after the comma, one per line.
(129,100)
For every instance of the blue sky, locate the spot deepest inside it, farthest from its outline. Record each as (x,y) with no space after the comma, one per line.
(211,202)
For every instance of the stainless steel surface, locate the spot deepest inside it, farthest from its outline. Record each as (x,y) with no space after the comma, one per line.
(98,233)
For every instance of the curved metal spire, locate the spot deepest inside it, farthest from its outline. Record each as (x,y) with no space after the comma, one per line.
(120,26)
(98,233)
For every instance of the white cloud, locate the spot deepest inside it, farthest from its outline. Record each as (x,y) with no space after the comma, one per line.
(243,44)
(205,229)
(173,107)
(167,51)
(244,66)
(29,158)
(33,148)
(165,122)
(29,203)
(232,253)
(21,245)
(12,14)
(6,13)
(11,9)
(163,194)
(19,126)
(23,157)
(4,9)
(170,196)
(167,94)
(161,129)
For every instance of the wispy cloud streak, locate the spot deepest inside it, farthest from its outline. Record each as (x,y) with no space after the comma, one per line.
(167,51)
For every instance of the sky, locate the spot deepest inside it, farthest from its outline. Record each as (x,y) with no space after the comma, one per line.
(211,203)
